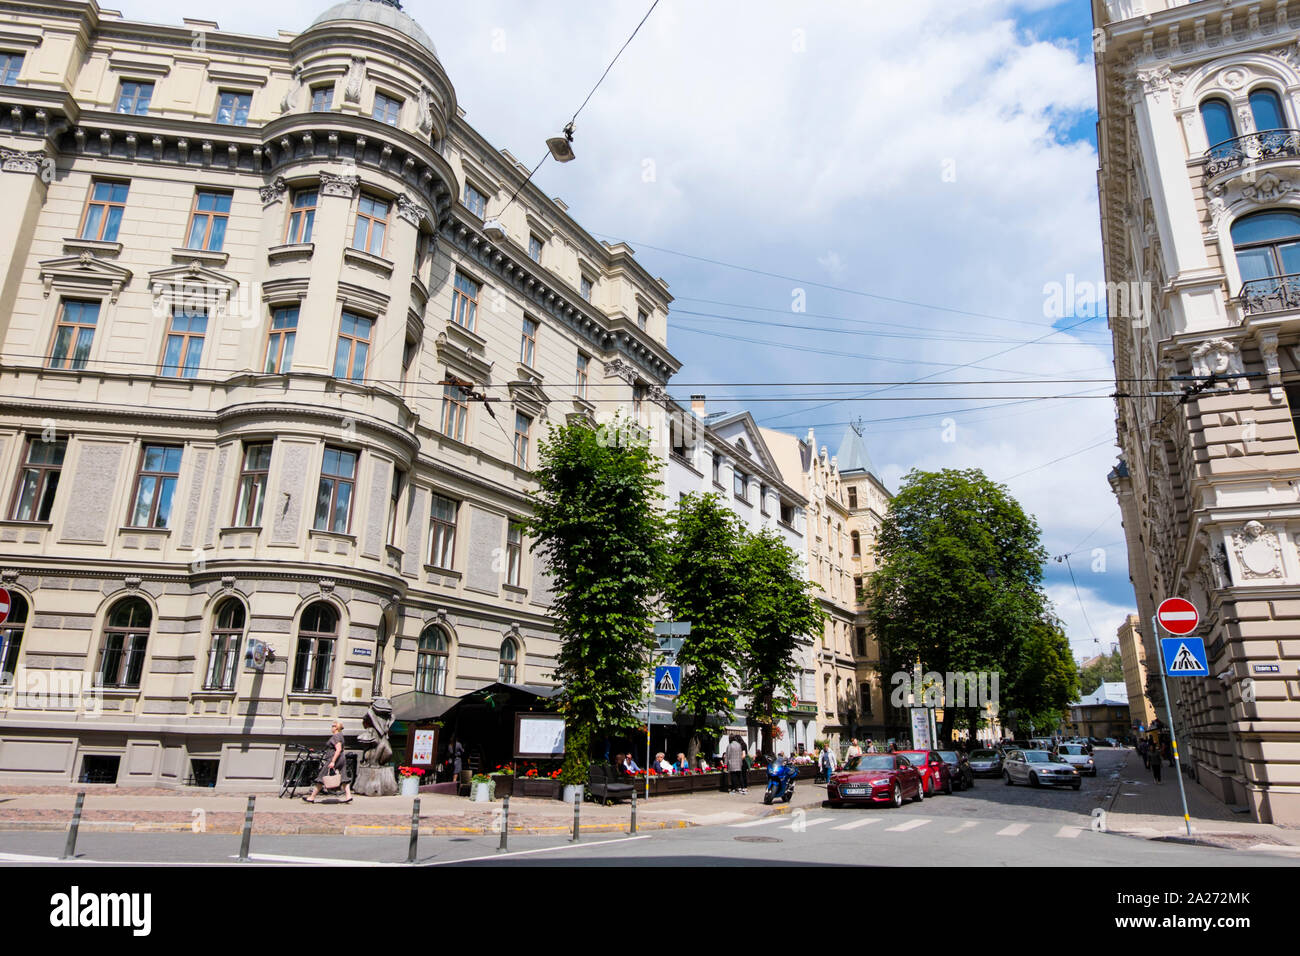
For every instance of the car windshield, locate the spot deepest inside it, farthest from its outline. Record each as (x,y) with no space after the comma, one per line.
(1037,756)
(871,762)
(1072,749)
(916,758)
(949,756)
(983,755)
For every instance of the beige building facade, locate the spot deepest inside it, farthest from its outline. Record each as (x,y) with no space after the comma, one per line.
(277,355)
(1199,121)
(1132,651)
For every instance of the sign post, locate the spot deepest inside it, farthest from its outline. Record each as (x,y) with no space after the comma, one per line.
(667,679)
(1178,617)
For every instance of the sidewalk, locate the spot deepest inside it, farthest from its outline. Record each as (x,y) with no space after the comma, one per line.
(118,810)
(1141,807)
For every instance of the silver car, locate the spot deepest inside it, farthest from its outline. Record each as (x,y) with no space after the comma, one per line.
(1076,756)
(1038,768)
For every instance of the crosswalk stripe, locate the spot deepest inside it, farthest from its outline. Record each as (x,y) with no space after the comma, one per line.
(909,825)
(24,858)
(1015,829)
(312,860)
(865,821)
(1069,832)
(962,826)
(758,823)
(806,823)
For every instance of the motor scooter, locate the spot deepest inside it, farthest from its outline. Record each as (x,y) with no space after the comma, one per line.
(780,781)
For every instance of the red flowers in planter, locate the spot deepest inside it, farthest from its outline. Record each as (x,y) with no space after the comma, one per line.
(411,771)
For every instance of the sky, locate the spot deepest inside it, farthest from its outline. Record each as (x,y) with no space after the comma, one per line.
(837,192)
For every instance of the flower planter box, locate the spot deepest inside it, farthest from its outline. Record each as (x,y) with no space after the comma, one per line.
(505,784)
(545,788)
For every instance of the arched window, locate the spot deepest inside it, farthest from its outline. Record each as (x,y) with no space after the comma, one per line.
(1267,244)
(318,632)
(1219,125)
(126,635)
(857,543)
(11,637)
(1266,108)
(509,660)
(223,653)
(431,661)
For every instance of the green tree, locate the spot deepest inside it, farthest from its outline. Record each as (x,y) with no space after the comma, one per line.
(957,587)
(1109,668)
(597,523)
(782,606)
(1046,680)
(705,584)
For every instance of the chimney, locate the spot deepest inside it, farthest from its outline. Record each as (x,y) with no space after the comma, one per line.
(697,406)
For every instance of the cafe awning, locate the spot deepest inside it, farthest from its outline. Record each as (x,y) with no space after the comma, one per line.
(416,705)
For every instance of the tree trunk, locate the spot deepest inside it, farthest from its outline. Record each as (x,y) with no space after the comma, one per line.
(973,722)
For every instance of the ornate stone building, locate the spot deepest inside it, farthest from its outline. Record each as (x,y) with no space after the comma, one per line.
(1132,651)
(277,353)
(1199,141)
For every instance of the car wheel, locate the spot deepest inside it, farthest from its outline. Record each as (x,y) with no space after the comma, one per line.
(897,800)
(929,788)
(920,792)
(1033,779)
(1007,777)
(767,798)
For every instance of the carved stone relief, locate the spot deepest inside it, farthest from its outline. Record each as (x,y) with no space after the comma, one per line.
(1258,551)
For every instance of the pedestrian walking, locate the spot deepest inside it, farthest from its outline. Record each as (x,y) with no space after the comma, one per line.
(735,765)
(1144,751)
(334,769)
(1167,752)
(854,749)
(1156,762)
(828,762)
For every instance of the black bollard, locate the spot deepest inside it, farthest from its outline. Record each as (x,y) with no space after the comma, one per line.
(248,831)
(633,811)
(577,805)
(505,820)
(70,848)
(415,830)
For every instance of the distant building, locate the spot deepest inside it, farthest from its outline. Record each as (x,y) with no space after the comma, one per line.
(1133,653)
(1103,713)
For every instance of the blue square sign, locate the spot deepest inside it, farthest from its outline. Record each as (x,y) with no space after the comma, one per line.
(668,680)
(1184,656)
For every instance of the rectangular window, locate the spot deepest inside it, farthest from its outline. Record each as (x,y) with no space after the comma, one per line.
(334,496)
(865,691)
(584,287)
(322,98)
(208,221)
(787,514)
(455,409)
(10,66)
(475,201)
(762,498)
(410,348)
(253,476)
(583,369)
(741,482)
(464,301)
(302,216)
(528,342)
(514,554)
(717,470)
(232,108)
(638,396)
(155,486)
(104,208)
(642,319)
(388,109)
(442,532)
(134,98)
(394,503)
(523,424)
(183,347)
(279,341)
(38,479)
(73,334)
(372,220)
(534,248)
(353,346)
(853,498)
(860,639)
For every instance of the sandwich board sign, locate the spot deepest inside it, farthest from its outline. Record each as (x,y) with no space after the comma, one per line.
(1184,657)
(668,680)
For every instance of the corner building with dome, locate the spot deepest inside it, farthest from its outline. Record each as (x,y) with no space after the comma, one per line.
(276,361)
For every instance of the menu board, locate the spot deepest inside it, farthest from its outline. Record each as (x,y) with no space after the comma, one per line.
(422,745)
(539,736)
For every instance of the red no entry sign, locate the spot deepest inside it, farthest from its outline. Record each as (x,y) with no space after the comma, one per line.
(4,605)
(1178,616)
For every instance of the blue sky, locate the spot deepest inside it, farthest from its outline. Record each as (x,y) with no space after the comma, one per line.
(936,159)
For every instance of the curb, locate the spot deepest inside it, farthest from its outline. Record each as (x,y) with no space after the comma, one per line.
(356,829)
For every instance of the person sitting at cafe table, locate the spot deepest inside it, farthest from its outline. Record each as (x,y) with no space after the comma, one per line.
(682,765)
(661,765)
(630,765)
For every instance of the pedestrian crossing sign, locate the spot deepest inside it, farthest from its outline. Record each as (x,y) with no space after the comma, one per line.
(668,680)
(1184,657)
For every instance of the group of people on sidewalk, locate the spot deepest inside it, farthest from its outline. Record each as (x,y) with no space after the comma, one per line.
(1154,749)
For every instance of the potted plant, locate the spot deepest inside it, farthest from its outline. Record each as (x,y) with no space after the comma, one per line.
(482,788)
(410,780)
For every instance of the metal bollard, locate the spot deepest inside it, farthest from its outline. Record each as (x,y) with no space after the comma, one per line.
(248,831)
(633,811)
(577,805)
(415,830)
(505,820)
(70,848)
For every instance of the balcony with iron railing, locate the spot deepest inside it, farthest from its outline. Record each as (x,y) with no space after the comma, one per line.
(1249,150)
(1270,294)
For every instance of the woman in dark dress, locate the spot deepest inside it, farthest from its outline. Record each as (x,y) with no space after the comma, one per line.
(332,763)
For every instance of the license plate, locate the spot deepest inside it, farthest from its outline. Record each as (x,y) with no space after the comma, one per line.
(854,791)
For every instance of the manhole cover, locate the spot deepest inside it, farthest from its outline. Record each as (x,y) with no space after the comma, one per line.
(757,839)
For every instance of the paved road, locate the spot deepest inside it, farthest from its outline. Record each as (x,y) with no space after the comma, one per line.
(991,824)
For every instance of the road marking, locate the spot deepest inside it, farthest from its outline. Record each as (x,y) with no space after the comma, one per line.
(544,849)
(758,823)
(865,821)
(962,826)
(909,825)
(23,858)
(800,824)
(321,861)
(1069,832)
(1015,829)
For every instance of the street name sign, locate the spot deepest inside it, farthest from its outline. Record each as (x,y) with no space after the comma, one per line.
(1178,616)
(1184,657)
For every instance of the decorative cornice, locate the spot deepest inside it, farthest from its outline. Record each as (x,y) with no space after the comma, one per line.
(410,210)
(273,192)
(335,185)
(20,161)
(617,368)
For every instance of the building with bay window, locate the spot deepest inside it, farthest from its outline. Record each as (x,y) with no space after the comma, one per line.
(269,375)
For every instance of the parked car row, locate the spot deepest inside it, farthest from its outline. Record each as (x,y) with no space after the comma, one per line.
(904,775)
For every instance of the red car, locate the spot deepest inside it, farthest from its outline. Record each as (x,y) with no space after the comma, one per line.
(874,778)
(936,775)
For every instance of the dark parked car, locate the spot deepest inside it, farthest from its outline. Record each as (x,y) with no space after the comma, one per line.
(875,778)
(986,763)
(960,769)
